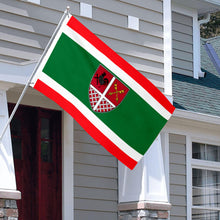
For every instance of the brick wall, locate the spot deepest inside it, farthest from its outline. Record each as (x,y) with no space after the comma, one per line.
(144,211)
(8,209)
(8,204)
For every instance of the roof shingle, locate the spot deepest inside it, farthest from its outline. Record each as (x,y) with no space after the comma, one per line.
(199,95)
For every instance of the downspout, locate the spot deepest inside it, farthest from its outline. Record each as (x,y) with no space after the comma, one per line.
(205,20)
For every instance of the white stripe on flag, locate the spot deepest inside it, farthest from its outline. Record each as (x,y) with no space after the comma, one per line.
(91,117)
(117,71)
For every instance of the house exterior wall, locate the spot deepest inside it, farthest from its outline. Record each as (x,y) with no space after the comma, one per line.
(26,29)
(182,33)
(177,156)
(95,175)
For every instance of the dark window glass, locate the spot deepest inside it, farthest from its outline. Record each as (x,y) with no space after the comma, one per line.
(16,138)
(46,141)
(16,147)
(205,152)
(46,151)
(45,128)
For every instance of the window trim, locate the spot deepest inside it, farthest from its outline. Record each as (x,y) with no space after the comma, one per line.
(189,177)
(67,166)
(168,56)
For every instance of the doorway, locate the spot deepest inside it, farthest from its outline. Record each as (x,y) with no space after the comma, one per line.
(36,143)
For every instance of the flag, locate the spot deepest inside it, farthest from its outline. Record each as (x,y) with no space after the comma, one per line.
(110,99)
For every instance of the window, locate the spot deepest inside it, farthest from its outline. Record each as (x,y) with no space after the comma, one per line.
(46,140)
(16,138)
(205,181)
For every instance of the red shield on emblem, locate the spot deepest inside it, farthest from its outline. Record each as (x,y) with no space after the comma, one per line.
(106,92)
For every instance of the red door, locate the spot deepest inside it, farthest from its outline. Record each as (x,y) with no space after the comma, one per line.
(36,142)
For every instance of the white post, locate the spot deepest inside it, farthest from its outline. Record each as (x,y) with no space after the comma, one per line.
(68,166)
(167,34)
(196,46)
(143,191)
(7,180)
(147,181)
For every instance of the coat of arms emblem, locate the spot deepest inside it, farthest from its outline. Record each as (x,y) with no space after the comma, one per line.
(106,92)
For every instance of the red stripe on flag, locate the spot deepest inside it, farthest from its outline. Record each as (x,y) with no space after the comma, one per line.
(119,61)
(85,123)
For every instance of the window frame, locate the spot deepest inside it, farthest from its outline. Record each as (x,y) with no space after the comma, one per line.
(198,164)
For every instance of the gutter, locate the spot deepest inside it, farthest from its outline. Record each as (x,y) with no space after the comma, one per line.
(206,19)
(215,2)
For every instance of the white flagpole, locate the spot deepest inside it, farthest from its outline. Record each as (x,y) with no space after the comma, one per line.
(66,13)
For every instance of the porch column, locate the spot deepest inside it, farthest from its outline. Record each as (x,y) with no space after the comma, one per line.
(8,192)
(143,191)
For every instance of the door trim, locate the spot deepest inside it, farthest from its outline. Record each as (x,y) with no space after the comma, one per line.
(67,166)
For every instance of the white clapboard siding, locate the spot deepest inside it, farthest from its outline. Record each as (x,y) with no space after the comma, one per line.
(182,33)
(153,5)
(95,175)
(29,26)
(177,157)
(90,215)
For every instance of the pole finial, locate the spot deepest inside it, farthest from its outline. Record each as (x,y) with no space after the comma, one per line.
(68,10)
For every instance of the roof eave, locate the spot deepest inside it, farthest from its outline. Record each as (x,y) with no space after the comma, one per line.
(196,116)
(215,2)
(202,6)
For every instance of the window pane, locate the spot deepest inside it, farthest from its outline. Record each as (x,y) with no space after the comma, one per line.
(45,128)
(213,152)
(199,178)
(199,186)
(15,127)
(212,188)
(206,152)
(199,214)
(16,138)
(46,151)
(206,190)
(198,151)
(17,149)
